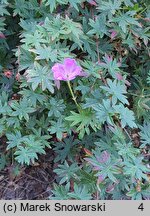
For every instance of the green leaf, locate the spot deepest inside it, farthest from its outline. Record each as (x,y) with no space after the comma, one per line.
(3,10)
(111,65)
(126,150)
(56,107)
(34,39)
(98,26)
(3,161)
(116,90)
(22,109)
(67,172)
(125,20)
(66,149)
(80,193)
(126,116)
(104,111)
(33,97)
(60,192)
(25,155)
(53,3)
(26,59)
(105,166)
(74,3)
(128,3)
(83,120)
(14,139)
(136,168)
(145,134)
(40,75)
(45,52)
(58,128)
(110,7)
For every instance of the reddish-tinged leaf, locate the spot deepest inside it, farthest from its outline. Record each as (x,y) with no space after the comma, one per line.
(88,153)
(2,36)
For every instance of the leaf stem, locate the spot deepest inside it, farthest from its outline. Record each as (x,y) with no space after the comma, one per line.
(73,96)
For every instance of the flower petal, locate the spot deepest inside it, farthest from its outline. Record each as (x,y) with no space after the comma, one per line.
(58,71)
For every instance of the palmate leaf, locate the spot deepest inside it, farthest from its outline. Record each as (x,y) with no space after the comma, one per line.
(74,3)
(110,7)
(3,10)
(45,52)
(53,26)
(4,108)
(34,39)
(60,192)
(87,178)
(27,146)
(13,121)
(80,193)
(125,20)
(145,134)
(33,97)
(136,168)
(98,26)
(116,90)
(66,149)
(73,31)
(25,155)
(35,144)
(57,127)
(105,165)
(83,121)
(22,109)
(25,8)
(14,139)
(64,28)
(139,195)
(126,116)
(43,139)
(67,172)
(105,143)
(56,107)
(40,75)
(126,150)
(143,33)
(26,59)
(104,111)
(111,65)
(128,3)
(53,3)
(105,46)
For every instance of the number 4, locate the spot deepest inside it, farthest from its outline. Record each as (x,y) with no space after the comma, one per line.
(141,207)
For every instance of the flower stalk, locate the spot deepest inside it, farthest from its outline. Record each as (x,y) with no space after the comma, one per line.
(72,94)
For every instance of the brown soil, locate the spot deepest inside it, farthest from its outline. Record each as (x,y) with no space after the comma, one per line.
(34,182)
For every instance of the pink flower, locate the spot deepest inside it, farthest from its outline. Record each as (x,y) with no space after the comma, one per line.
(69,70)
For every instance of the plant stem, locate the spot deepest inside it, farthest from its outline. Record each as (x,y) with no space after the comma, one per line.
(73,96)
